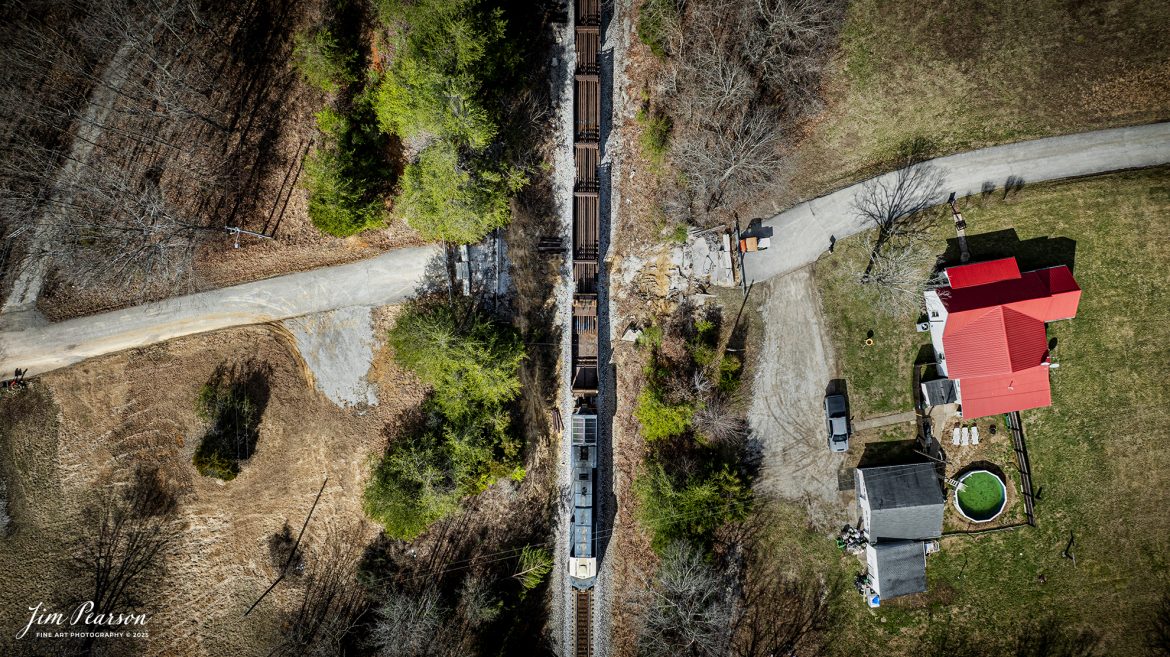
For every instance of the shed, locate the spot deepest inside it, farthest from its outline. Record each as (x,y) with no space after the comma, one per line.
(939,392)
(897,568)
(900,502)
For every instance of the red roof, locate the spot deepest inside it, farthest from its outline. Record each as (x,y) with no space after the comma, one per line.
(994,338)
(1004,393)
(982,273)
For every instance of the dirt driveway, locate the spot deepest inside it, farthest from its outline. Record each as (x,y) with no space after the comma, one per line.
(797,364)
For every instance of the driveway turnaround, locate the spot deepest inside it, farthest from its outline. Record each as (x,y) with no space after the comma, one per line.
(796,365)
(387,279)
(801,234)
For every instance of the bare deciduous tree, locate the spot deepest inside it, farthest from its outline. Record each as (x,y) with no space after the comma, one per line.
(895,203)
(789,46)
(412,624)
(736,75)
(898,273)
(478,604)
(332,598)
(419,623)
(896,206)
(116,159)
(724,162)
(719,421)
(687,608)
(128,537)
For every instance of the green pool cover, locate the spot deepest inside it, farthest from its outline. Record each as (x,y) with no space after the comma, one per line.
(982,495)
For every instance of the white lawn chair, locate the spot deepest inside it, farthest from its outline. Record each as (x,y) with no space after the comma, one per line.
(966,437)
(955,437)
(974,435)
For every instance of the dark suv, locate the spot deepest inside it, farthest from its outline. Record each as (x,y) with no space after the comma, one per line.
(837,422)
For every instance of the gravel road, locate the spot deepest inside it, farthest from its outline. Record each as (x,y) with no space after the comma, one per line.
(797,364)
(338,347)
(386,279)
(561,620)
(801,234)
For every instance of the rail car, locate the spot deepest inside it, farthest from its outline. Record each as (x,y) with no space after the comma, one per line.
(582,554)
(585,253)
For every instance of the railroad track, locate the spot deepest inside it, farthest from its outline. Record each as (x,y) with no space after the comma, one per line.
(583,635)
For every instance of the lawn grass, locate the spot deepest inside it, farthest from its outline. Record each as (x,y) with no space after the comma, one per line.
(1099,454)
(956,75)
(878,384)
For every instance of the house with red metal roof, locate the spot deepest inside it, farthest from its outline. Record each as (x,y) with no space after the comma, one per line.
(987,325)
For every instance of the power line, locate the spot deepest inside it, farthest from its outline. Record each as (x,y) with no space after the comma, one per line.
(292,554)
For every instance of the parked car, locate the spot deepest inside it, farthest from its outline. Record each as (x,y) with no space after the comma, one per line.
(837,422)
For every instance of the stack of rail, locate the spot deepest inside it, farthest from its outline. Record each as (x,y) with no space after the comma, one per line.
(586,232)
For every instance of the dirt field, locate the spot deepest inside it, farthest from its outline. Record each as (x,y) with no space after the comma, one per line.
(79,428)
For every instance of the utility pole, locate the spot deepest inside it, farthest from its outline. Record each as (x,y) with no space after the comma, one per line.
(960,228)
(236,230)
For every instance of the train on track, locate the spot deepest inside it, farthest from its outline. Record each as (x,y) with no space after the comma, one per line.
(586,247)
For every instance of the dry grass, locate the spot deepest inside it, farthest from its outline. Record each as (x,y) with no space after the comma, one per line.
(114,413)
(961,75)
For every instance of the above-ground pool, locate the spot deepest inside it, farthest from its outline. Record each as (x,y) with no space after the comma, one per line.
(981,497)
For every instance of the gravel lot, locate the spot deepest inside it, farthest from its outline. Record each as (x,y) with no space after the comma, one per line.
(338,346)
(796,366)
(561,606)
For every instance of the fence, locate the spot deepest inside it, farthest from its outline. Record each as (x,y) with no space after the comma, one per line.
(1016,427)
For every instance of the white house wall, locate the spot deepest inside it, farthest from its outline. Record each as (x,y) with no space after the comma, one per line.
(936,313)
(871,562)
(863,502)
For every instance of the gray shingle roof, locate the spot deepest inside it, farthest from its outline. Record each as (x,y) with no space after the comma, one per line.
(905,501)
(901,568)
(940,391)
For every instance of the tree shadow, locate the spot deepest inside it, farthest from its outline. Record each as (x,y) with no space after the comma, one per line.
(993,468)
(1012,186)
(1035,253)
(896,205)
(233,400)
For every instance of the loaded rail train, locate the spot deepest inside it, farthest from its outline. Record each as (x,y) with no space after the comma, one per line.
(586,233)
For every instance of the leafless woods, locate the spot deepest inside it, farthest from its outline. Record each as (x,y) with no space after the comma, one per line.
(748,602)
(736,77)
(125,128)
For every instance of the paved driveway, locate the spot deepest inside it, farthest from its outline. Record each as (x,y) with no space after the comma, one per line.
(801,234)
(386,279)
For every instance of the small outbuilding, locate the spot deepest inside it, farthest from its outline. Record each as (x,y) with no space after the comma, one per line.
(896,568)
(900,502)
(901,508)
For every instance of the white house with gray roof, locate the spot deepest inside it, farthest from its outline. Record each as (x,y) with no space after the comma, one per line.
(901,508)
